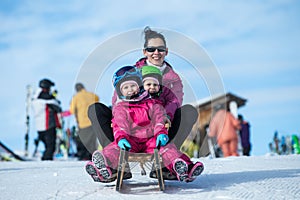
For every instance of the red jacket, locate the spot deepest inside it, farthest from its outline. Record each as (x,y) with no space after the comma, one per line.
(172,93)
(139,121)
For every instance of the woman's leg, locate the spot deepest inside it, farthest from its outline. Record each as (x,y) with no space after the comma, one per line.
(233,146)
(182,124)
(100,116)
(225,147)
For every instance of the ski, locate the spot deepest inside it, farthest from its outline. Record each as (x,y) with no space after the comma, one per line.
(36,146)
(211,148)
(233,107)
(296,145)
(28,101)
(11,152)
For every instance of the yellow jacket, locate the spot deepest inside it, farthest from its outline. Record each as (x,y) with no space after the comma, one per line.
(79,107)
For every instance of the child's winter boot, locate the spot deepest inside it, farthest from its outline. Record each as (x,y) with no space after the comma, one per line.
(91,169)
(181,169)
(100,162)
(194,171)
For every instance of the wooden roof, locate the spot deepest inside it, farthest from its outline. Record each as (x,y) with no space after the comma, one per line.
(205,109)
(220,99)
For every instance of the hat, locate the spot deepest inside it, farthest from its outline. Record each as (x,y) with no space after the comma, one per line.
(128,74)
(153,73)
(46,83)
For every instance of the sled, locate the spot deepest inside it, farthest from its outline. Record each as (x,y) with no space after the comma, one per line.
(142,158)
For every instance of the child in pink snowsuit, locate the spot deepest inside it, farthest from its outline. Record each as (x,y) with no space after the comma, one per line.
(139,127)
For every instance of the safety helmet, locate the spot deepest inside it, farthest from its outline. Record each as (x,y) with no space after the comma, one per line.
(46,83)
(151,71)
(124,74)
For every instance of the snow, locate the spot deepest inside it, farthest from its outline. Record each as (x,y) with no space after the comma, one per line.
(255,177)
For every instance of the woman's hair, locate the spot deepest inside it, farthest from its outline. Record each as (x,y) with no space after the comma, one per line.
(150,34)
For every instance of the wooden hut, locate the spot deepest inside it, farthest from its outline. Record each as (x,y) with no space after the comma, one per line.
(205,109)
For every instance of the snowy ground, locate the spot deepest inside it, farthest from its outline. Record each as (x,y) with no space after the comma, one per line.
(256,177)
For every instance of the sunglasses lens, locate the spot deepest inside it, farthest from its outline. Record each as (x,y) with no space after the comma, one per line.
(152,49)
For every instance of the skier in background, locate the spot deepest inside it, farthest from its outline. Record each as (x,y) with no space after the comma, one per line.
(88,142)
(46,107)
(223,126)
(245,135)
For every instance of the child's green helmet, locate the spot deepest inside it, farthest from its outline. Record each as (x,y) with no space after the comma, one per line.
(151,71)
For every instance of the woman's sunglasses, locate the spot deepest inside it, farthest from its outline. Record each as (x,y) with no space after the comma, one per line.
(159,49)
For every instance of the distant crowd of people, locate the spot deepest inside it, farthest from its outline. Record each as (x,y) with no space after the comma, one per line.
(48,116)
(284,145)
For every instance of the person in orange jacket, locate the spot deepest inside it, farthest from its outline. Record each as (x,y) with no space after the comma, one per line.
(224,127)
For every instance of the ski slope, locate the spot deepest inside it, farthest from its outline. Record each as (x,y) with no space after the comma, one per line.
(255,177)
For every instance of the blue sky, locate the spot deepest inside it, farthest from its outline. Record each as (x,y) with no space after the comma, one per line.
(254,46)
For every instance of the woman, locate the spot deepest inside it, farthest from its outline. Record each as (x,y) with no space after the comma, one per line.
(224,127)
(155,51)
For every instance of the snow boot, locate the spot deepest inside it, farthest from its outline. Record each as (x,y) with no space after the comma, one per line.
(181,169)
(167,175)
(194,171)
(91,169)
(100,162)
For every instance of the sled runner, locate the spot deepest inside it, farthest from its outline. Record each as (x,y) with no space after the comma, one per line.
(143,159)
